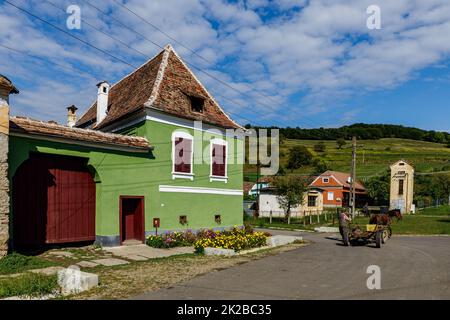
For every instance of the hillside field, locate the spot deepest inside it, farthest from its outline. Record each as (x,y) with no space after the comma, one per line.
(373,157)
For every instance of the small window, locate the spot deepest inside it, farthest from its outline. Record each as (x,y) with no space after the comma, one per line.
(218,219)
(183,220)
(326,180)
(182,155)
(400,187)
(312,201)
(104,89)
(330,196)
(197,103)
(401,164)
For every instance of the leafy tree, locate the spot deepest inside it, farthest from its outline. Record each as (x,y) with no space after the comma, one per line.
(320,147)
(299,156)
(290,191)
(320,166)
(378,188)
(281,171)
(340,143)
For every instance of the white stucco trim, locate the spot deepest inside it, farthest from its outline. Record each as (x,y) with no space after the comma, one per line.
(160,75)
(162,117)
(182,175)
(183,189)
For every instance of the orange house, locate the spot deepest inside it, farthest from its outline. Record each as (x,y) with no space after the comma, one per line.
(336,186)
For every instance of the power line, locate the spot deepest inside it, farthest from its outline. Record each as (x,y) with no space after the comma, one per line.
(45,60)
(69,34)
(161,31)
(183,45)
(120,59)
(101,50)
(101,31)
(189,63)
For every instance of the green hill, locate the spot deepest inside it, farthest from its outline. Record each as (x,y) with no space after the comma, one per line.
(373,157)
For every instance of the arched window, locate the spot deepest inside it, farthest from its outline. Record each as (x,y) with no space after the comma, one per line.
(182,155)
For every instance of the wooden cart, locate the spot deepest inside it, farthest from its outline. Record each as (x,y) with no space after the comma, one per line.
(373,233)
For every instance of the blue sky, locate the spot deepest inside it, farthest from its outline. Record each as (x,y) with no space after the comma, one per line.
(291,62)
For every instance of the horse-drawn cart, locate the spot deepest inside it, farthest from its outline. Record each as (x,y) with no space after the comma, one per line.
(373,233)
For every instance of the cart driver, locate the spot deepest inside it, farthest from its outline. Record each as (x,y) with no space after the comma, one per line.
(343,219)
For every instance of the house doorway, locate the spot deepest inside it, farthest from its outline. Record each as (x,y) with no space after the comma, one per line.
(131,219)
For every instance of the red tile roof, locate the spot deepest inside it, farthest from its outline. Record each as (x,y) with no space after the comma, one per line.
(51,129)
(163,83)
(343,178)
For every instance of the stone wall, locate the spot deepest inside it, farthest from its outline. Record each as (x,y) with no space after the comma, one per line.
(4,182)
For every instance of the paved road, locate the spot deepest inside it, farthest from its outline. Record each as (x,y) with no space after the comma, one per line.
(411,268)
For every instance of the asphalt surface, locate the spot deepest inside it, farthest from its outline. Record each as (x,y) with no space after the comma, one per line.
(412,267)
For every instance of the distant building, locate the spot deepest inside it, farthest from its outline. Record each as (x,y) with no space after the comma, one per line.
(402,187)
(312,203)
(257,187)
(336,189)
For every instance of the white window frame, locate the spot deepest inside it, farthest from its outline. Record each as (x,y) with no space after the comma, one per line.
(182,175)
(327,180)
(330,196)
(211,176)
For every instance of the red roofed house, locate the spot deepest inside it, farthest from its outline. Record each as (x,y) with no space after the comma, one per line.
(337,188)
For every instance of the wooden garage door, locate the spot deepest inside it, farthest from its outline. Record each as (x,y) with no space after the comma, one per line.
(53,201)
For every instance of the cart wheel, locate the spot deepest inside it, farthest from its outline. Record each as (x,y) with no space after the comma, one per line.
(346,237)
(378,238)
(385,236)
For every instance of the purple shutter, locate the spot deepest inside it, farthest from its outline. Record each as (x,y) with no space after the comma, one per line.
(183,151)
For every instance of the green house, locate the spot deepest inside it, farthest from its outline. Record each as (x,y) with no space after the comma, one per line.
(153,153)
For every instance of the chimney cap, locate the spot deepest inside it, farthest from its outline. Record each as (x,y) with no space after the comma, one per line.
(102,82)
(72,108)
(8,83)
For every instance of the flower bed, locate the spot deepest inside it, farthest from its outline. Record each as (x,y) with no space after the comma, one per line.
(236,239)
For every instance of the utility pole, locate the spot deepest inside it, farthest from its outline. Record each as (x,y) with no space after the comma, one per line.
(257,186)
(353,178)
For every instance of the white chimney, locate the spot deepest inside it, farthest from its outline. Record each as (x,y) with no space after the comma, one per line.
(71,116)
(102,100)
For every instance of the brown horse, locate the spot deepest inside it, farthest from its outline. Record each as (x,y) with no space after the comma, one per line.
(382,219)
(395,213)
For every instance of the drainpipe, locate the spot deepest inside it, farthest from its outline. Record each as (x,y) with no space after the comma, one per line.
(6,88)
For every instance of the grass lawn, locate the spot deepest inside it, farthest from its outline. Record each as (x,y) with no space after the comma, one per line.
(373,158)
(16,263)
(28,284)
(431,221)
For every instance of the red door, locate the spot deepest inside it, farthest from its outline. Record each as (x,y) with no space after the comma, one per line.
(132,218)
(53,201)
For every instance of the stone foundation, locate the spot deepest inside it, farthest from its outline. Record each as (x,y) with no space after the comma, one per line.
(6,88)
(4,189)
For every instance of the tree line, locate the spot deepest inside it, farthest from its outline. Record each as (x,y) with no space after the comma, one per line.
(362,131)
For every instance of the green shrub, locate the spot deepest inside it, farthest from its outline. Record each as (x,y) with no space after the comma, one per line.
(29,284)
(15,263)
(155,241)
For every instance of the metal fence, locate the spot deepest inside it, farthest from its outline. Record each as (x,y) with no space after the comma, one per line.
(430,203)
(305,216)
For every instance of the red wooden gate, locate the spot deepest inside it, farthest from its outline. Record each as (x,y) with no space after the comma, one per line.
(53,201)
